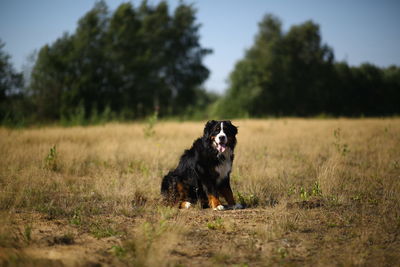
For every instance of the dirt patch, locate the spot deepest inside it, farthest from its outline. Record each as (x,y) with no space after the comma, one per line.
(256,237)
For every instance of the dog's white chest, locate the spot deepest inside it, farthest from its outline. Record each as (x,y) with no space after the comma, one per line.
(225,166)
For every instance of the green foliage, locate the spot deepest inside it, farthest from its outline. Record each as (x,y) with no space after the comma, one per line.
(76,218)
(247,200)
(150,123)
(123,64)
(306,193)
(28,233)
(118,251)
(294,74)
(100,230)
(51,160)
(316,189)
(217,224)
(12,100)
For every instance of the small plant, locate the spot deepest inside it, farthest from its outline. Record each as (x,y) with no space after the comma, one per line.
(247,200)
(74,116)
(76,219)
(342,148)
(217,224)
(28,233)
(149,127)
(51,160)
(283,252)
(306,194)
(99,230)
(167,213)
(291,191)
(118,251)
(152,238)
(316,190)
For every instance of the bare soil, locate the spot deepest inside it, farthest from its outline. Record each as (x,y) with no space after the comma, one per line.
(209,238)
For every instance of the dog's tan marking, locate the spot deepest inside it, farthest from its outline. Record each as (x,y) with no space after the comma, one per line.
(213,201)
(185,205)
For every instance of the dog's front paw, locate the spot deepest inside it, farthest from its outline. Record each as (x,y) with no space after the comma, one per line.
(186,204)
(219,207)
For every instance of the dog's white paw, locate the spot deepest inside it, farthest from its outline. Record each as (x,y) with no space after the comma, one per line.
(219,207)
(238,206)
(186,204)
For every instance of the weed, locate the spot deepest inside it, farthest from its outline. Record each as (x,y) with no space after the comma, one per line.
(167,213)
(282,252)
(332,225)
(248,200)
(99,230)
(150,245)
(28,233)
(150,123)
(118,251)
(76,219)
(306,194)
(342,148)
(51,160)
(217,224)
(291,191)
(316,190)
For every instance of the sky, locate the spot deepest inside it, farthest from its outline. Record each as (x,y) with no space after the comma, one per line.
(359,31)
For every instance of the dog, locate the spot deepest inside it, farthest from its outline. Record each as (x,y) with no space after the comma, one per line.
(203,171)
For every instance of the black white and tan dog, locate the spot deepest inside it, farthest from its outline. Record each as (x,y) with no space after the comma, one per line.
(203,172)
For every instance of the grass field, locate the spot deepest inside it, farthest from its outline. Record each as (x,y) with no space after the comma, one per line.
(318,192)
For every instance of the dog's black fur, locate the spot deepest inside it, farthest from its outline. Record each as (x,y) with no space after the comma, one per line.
(198,176)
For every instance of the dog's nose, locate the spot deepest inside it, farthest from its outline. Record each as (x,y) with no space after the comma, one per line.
(222,138)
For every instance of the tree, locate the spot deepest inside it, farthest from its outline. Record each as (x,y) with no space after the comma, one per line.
(391,78)
(186,72)
(89,64)
(251,84)
(283,74)
(308,64)
(133,62)
(51,78)
(10,84)
(125,49)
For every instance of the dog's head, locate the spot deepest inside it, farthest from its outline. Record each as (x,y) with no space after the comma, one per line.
(221,134)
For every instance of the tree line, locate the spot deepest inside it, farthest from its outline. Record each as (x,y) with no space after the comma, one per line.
(137,61)
(294,74)
(128,64)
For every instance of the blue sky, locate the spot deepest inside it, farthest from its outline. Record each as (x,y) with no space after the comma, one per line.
(357,30)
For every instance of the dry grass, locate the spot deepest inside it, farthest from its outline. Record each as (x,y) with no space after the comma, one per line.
(319,192)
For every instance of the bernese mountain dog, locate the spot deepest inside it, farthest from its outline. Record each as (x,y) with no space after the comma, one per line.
(203,172)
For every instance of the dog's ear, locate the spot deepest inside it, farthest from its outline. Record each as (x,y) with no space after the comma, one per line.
(232,128)
(208,127)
